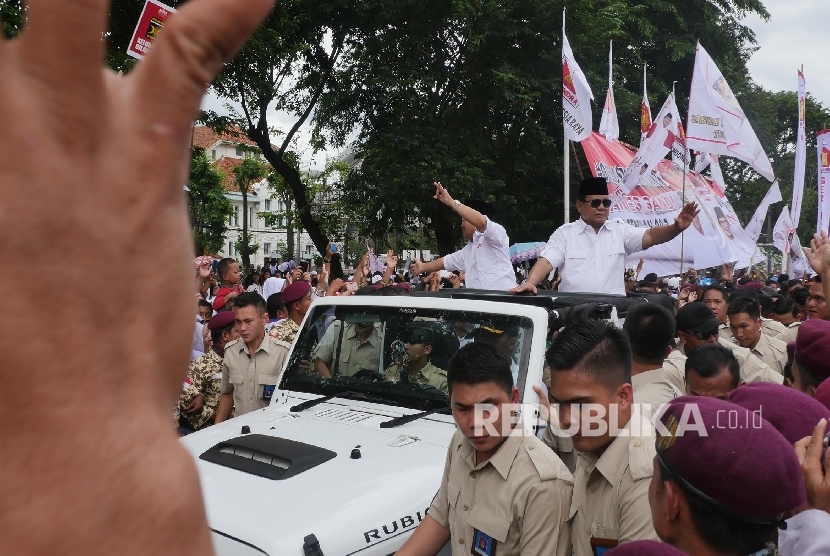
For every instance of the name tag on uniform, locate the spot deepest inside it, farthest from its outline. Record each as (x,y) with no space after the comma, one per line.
(483,545)
(602,546)
(217,376)
(268,391)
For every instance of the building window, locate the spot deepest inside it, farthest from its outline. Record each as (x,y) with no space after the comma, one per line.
(251,216)
(280,222)
(236,216)
(267,248)
(239,151)
(267,205)
(309,249)
(280,206)
(213,154)
(230,249)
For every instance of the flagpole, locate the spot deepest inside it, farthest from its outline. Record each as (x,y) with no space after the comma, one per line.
(683,194)
(567,157)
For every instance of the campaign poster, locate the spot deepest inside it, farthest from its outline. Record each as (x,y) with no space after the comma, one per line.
(149,26)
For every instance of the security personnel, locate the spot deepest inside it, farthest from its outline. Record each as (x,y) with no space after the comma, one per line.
(200,395)
(417,369)
(811,361)
(591,371)
(253,363)
(503,492)
(744,316)
(297,299)
(698,326)
(674,365)
(721,489)
(348,348)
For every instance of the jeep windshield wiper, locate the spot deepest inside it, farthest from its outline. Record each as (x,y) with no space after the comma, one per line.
(404,419)
(349,395)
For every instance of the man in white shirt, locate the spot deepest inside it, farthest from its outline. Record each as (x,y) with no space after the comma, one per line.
(272,285)
(486,257)
(590,253)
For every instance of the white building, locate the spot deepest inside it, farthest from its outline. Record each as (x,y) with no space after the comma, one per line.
(227,153)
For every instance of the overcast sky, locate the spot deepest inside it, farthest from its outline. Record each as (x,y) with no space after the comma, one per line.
(794,35)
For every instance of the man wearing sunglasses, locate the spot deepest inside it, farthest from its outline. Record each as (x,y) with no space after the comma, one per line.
(698,326)
(590,253)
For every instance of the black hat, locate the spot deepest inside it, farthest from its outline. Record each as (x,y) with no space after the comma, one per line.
(421,336)
(697,317)
(593,186)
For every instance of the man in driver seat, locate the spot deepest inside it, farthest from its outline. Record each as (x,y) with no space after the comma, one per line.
(416,367)
(348,348)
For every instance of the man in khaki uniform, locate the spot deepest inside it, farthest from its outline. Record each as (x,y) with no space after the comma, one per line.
(716,298)
(712,371)
(347,349)
(698,326)
(674,365)
(418,369)
(252,364)
(503,492)
(745,321)
(297,299)
(593,398)
(650,331)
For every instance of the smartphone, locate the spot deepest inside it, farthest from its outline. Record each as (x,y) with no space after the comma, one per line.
(332,248)
(304,266)
(214,265)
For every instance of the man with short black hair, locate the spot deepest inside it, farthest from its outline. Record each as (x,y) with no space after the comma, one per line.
(717,299)
(417,369)
(276,310)
(713,371)
(817,302)
(811,357)
(650,331)
(503,490)
(591,376)
(745,322)
(297,300)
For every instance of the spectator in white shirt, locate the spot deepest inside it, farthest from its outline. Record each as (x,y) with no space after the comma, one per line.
(485,259)
(590,253)
(272,285)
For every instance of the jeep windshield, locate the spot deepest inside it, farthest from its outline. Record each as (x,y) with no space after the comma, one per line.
(396,355)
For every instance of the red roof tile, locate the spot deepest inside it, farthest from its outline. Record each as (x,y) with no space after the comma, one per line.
(226,165)
(205,137)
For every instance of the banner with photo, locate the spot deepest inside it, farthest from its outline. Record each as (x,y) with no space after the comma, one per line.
(823,148)
(716,236)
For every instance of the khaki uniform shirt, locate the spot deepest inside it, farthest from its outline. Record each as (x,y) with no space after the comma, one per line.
(611,492)
(752,368)
(790,333)
(771,351)
(285,330)
(675,367)
(725,333)
(354,355)
(247,378)
(430,374)
(519,498)
(204,375)
(772,328)
(654,388)
(562,446)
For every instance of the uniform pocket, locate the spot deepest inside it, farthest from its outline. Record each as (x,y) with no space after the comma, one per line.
(489,522)
(453,495)
(236,378)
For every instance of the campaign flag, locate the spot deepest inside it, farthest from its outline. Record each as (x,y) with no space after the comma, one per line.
(783,231)
(823,148)
(702,161)
(609,125)
(800,151)
(680,155)
(645,111)
(717,124)
(576,95)
(753,229)
(149,25)
(374,263)
(660,138)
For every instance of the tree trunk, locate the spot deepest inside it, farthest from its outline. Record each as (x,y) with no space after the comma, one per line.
(289,229)
(246,258)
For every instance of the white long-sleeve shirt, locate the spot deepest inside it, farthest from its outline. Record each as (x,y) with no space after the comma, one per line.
(485,260)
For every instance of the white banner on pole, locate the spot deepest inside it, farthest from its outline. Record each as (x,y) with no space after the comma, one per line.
(576,94)
(800,151)
(609,125)
(717,124)
(823,148)
(660,139)
(753,229)
(645,111)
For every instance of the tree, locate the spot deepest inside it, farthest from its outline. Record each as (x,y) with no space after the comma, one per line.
(208,207)
(248,172)
(11,17)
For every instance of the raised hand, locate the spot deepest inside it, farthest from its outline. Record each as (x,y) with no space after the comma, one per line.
(819,255)
(687,215)
(442,194)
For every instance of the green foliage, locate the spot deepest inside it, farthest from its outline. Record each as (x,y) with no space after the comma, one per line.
(208,207)
(11,17)
(252,247)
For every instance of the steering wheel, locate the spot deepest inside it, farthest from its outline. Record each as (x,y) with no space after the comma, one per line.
(370,375)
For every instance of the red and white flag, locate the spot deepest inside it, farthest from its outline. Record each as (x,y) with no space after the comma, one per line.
(717,123)
(823,148)
(800,150)
(660,138)
(609,125)
(149,25)
(680,154)
(576,94)
(645,111)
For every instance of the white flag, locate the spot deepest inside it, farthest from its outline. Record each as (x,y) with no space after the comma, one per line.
(609,125)
(753,229)
(783,232)
(717,123)
(659,140)
(702,161)
(680,155)
(799,264)
(576,95)
(645,111)
(823,148)
(800,151)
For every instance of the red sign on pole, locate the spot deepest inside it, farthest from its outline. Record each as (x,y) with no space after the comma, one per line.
(149,24)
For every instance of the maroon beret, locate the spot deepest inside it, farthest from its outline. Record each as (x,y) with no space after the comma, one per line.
(790,351)
(823,394)
(793,413)
(730,458)
(812,347)
(221,320)
(645,548)
(295,291)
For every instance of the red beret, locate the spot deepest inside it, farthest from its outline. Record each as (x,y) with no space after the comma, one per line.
(790,351)
(812,347)
(295,291)
(645,548)
(729,457)
(793,413)
(221,320)
(823,394)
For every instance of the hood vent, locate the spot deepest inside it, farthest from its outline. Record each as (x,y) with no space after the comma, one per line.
(267,456)
(341,415)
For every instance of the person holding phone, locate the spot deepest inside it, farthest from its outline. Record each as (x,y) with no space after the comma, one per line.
(590,253)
